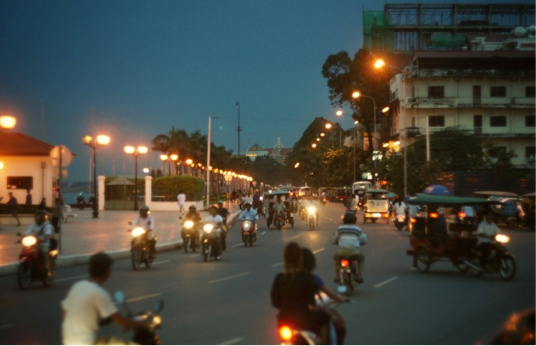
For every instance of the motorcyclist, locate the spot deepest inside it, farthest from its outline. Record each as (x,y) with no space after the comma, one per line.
(146,221)
(249,214)
(256,200)
(223,212)
(193,216)
(311,203)
(486,231)
(217,221)
(400,208)
(349,237)
(43,231)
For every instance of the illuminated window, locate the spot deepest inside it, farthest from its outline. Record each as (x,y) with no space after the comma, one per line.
(19,183)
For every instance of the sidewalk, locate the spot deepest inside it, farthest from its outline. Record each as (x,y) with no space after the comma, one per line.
(87,236)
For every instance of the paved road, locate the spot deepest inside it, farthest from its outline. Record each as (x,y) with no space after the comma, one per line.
(228,302)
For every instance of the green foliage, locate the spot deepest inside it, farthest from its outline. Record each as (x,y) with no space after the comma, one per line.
(171,185)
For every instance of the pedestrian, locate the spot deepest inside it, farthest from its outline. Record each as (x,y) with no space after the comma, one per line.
(28,197)
(87,303)
(181,199)
(14,206)
(43,204)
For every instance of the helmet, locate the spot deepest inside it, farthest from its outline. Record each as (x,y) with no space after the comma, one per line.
(192,207)
(144,210)
(349,218)
(247,203)
(220,202)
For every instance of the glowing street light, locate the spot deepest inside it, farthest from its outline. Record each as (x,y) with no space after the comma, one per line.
(313,145)
(386,109)
(339,113)
(379,63)
(94,143)
(328,126)
(295,166)
(7,122)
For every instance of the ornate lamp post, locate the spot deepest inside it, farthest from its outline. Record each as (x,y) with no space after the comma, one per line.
(94,143)
(136,152)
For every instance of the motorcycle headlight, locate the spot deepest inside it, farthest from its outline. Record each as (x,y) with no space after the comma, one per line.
(208,228)
(285,333)
(136,232)
(189,224)
(311,210)
(261,198)
(157,320)
(247,225)
(501,238)
(29,240)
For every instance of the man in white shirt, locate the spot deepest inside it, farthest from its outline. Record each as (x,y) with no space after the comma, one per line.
(486,232)
(181,199)
(87,303)
(146,221)
(349,238)
(43,231)
(217,221)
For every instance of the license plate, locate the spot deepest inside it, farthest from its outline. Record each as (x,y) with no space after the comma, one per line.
(376,215)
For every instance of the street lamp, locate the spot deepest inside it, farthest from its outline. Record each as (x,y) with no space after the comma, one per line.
(141,150)
(356,95)
(379,64)
(340,113)
(7,122)
(313,145)
(94,143)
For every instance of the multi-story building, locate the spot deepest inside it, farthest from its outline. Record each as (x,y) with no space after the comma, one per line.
(491,93)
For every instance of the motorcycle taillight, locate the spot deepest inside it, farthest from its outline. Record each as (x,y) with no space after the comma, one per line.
(345,263)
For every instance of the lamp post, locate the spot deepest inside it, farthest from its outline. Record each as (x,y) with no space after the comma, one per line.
(340,113)
(379,64)
(169,158)
(356,95)
(95,143)
(136,152)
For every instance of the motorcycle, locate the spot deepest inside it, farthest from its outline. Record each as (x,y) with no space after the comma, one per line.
(249,232)
(208,241)
(293,336)
(302,212)
(30,268)
(400,221)
(311,217)
(324,200)
(142,335)
(499,260)
(294,205)
(347,275)
(189,238)
(279,219)
(80,202)
(140,248)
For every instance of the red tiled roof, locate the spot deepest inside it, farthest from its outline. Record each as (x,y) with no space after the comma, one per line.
(18,144)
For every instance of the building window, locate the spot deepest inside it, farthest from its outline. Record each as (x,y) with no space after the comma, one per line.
(529,120)
(436,91)
(529,154)
(20,183)
(436,121)
(497,91)
(530,91)
(497,121)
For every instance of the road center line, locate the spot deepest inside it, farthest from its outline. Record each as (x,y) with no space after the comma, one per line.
(229,277)
(263,233)
(277,264)
(386,281)
(237,245)
(161,262)
(72,278)
(319,250)
(143,297)
(232,341)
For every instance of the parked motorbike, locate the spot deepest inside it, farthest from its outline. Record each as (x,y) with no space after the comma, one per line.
(140,249)
(189,236)
(311,217)
(30,268)
(142,335)
(80,202)
(209,242)
(401,221)
(499,260)
(249,232)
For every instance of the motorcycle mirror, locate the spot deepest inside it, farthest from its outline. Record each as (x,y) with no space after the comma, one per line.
(119,297)
(158,306)
(342,289)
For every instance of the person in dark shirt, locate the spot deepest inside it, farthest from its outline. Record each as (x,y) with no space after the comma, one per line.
(14,206)
(293,294)
(223,212)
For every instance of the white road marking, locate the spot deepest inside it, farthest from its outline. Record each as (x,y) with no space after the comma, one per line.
(6,326)
(161,262)
(195,255)
(72,278)
(277,264)
(319,250)
(143,297)
(232,341)
(229,277)
(386,282)
(237,245)
(263,233)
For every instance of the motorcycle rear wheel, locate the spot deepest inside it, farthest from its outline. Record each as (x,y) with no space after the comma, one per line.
(422,258)
(136,258)
(24,275)
(507,267)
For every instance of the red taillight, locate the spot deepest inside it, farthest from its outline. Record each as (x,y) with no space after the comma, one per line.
(434,215)
(385,215)
(413,220)
(345,263)
(461,214)
(285,333)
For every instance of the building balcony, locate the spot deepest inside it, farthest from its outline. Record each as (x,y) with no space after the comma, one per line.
(432,102)
(470,102)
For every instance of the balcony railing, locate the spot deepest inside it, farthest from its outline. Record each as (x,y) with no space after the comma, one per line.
(470,102)
(433,101)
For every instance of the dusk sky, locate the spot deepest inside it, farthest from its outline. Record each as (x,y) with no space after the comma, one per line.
(156,64)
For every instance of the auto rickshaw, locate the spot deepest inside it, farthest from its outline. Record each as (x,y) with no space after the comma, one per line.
(269,198)
(436,235)
(376,205)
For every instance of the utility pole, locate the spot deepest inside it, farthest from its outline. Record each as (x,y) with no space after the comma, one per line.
(208,163)
(238,128)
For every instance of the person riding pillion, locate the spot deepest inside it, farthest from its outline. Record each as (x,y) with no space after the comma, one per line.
(146,221)
(43,231)
(349,237)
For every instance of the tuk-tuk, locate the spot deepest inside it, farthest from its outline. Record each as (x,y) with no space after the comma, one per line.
(376,205)
(437,235)
(272,218)
(343,194)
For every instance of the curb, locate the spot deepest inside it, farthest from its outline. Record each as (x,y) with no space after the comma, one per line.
(75,260)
